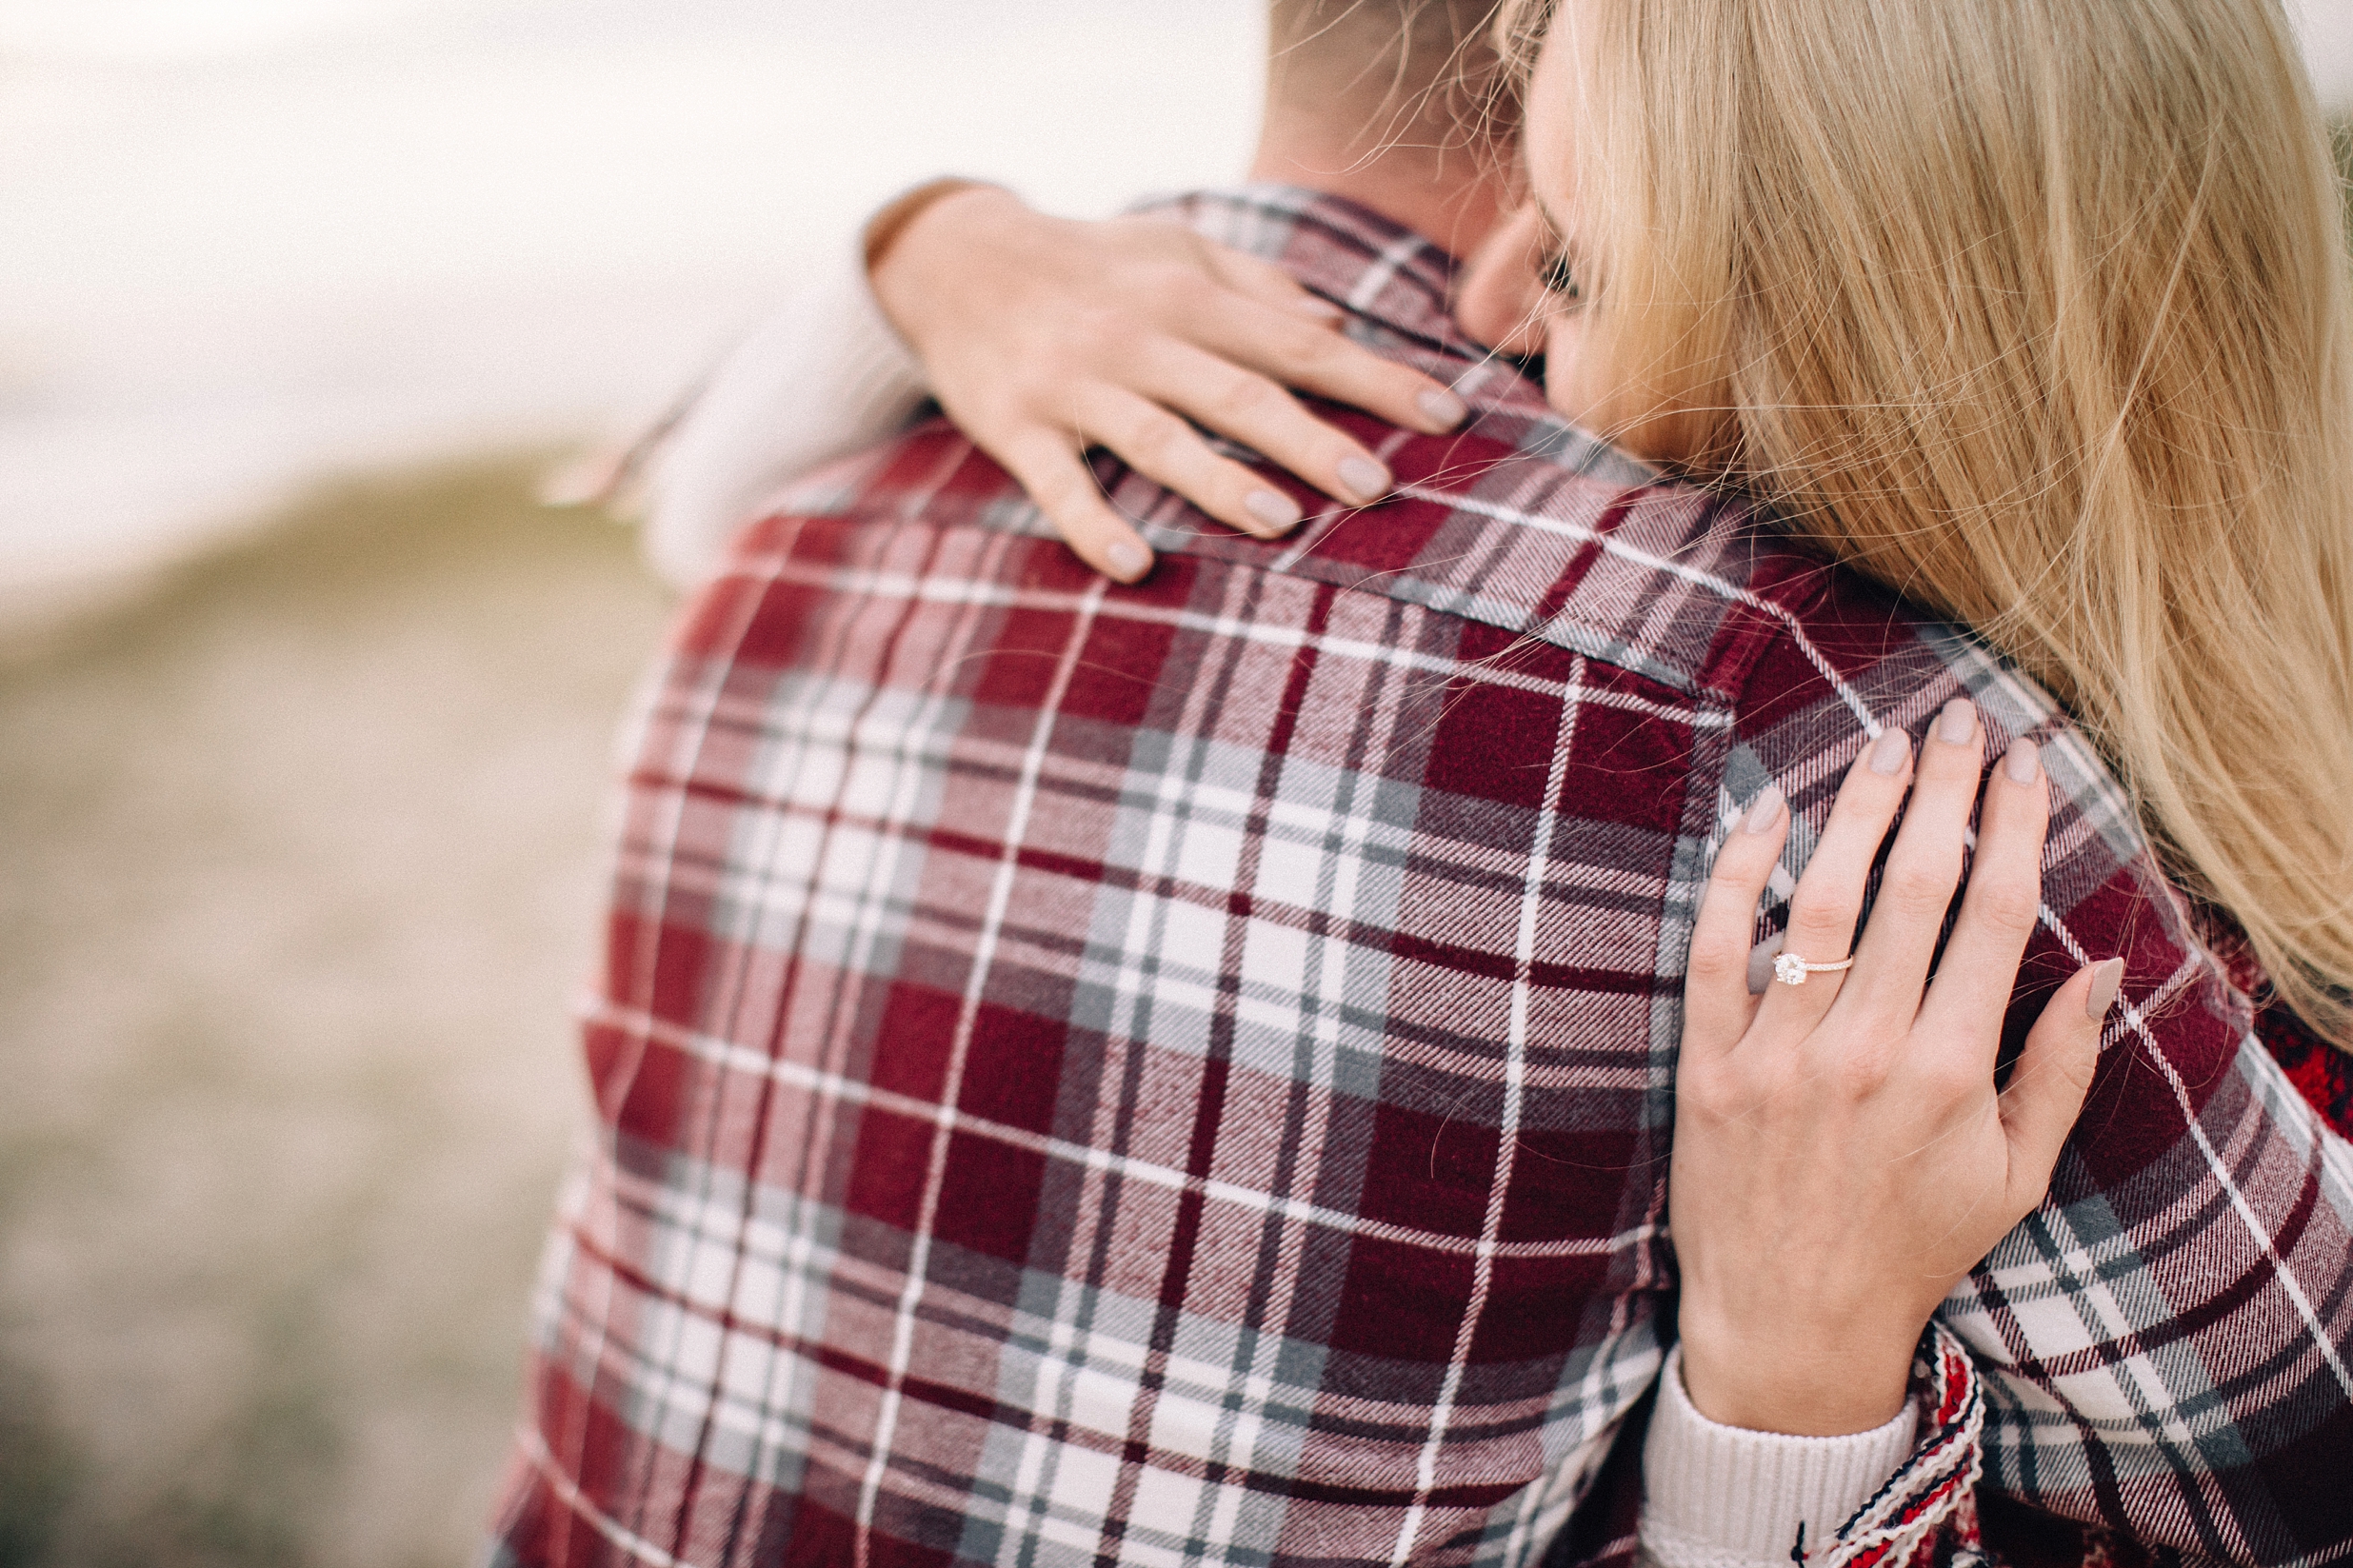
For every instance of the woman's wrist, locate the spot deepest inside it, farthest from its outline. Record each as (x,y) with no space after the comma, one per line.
(912,252)
(894,217)
(1781,1379)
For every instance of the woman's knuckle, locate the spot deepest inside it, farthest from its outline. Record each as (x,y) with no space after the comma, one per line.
(1714,1089)
(1715,960)
(1311,351)
(1948,1080)
(1177,293)
(1092,335)
(1917,887)
(1861,1073)
(1242,399)
(2011,906)
(1815,920)
(1156,441)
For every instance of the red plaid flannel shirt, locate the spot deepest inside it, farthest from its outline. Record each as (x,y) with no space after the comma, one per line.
(1183,1074)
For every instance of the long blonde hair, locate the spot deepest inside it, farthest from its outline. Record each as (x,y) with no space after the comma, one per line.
(2035,310)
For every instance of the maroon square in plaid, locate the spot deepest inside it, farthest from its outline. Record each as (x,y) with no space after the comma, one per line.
(1183,1074)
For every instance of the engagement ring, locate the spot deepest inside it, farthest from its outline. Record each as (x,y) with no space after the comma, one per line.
(1791,970)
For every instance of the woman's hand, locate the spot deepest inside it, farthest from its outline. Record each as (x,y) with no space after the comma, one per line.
(1841,1157)
(1043,337)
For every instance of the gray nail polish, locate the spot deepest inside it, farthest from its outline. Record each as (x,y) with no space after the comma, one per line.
(1442,407)
(1364,479)
(2022,762)
(1129,559)
(1271,508)
(2105,979)
(1764,811)
(1957,723)
(1892,750)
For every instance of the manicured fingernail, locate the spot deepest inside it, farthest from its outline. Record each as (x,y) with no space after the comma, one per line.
(1271,508)
(1128,560)
(2021,762)
(1892,751)
(1324,310)
(1958,722)
(2105,977)
(1364,479)
(1442,407)
(1765,812)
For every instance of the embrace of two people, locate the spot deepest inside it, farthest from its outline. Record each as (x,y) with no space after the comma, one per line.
(1700,914)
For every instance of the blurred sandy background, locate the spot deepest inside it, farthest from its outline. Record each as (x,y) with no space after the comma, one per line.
(302,774)
(301,872)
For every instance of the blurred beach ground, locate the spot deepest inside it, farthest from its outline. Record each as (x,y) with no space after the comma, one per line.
(302,778)
(303,875)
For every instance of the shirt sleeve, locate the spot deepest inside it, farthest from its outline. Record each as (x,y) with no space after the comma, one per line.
(823,377)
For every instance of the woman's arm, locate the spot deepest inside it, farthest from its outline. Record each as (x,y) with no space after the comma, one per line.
(1842,1155)
(1041,337)
(820,379)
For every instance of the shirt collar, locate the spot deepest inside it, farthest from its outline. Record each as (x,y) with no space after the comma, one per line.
(1368,263)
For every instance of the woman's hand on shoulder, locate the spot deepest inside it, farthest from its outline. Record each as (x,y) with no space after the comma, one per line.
(1841,1156)
(1043,337)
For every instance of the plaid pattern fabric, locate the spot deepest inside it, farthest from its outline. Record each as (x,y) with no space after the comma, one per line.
(1183,1074)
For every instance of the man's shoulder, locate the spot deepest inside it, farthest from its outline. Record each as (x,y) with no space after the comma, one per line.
(1536,530)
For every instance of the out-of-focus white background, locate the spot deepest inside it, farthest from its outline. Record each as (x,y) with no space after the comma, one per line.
(248,241)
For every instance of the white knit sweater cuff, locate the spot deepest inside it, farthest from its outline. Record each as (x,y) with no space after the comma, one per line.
(820,379)
(1719,1496)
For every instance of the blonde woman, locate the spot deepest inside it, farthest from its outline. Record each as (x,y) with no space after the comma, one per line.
(2035,314)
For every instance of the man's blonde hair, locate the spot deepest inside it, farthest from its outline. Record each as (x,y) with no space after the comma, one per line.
(2035,310)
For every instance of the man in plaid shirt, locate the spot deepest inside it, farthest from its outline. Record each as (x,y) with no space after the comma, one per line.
(1183,1074)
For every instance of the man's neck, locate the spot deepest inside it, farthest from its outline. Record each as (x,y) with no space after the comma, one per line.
(1450,196)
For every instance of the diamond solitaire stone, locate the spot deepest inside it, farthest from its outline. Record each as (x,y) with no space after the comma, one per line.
(1789,970)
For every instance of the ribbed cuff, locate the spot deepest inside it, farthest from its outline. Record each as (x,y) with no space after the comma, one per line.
(1720,1497)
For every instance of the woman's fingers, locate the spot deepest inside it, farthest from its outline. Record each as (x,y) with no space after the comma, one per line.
(1269,284)
(1998,913)
(1170,453)
(1051,468)
(1829,896)
(2046,1088)
(1717,1006)
(1254,410)
(1924,868)
(1299,351)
